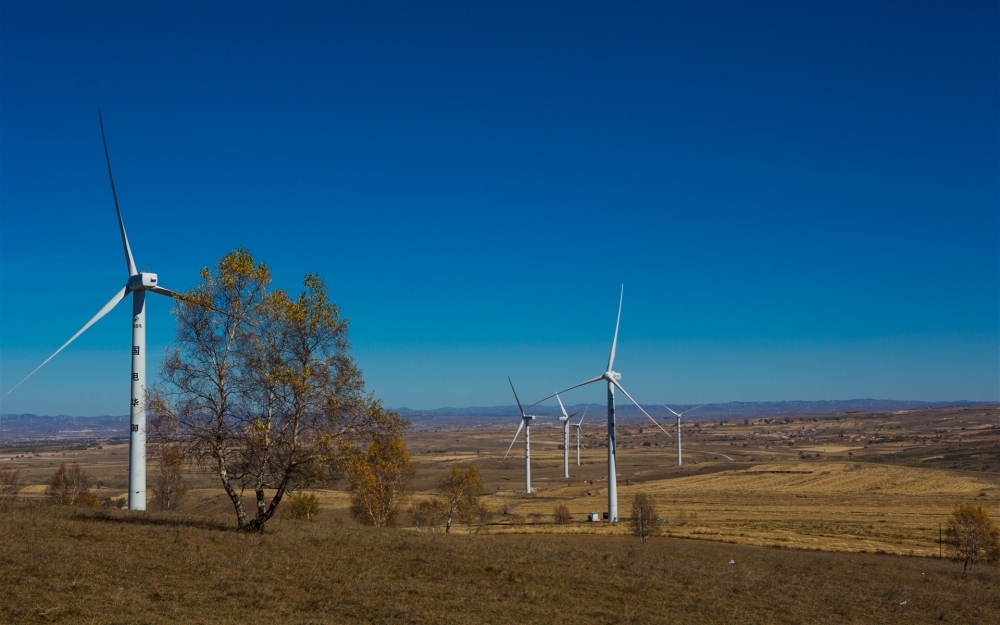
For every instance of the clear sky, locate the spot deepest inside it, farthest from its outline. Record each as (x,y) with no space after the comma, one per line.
(801,199)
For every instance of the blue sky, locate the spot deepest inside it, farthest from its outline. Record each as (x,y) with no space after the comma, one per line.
(801,199)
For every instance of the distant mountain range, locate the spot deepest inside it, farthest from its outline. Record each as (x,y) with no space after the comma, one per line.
(709,412)
(20,426)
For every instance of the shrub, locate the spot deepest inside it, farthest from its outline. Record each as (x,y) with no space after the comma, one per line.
(87,499)
(561,515)
(301,507)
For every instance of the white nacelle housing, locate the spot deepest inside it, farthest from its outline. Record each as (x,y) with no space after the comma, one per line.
(142,281)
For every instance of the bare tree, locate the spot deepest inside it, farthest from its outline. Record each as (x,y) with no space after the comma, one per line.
(972,535)
(69,486)
(381,477)
(8,482)
(644,515)
(169,485)
(261,387)
(460,491)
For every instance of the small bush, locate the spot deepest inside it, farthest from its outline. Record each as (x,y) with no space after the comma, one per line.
(87,500)
(301,507)
(117,502)
(561,515)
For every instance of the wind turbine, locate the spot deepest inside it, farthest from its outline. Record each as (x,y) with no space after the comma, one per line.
(565,421)
(138,284)
(611,377)
(579,429)
(678,415)
(526,424)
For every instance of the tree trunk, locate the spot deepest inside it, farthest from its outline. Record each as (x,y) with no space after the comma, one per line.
(241,513)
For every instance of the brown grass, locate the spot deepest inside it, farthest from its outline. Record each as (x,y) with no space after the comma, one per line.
(834,518)
(60,564)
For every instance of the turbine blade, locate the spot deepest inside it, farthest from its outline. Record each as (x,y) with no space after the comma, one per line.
(615,382)
(516,399)
(561,407)
(119,296)
(129,261)
(614,343)
(676,414)
(516,434)
(590,381)
(580,422)
(690,409)
(167,292)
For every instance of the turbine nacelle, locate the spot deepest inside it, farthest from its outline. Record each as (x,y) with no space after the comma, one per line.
(142,281)
(612,376)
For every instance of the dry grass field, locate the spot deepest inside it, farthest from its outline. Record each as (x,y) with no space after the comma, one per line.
(815,512)
(65,565)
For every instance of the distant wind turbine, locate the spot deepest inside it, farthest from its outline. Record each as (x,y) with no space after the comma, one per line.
(565,421)
(611,377)
(526,425)
(138,284)
(579,428)
(678,415)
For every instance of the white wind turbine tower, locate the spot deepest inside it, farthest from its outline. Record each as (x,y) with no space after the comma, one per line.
(679,415)
(579,429)
(565,421)
(611,377)
(138,283)
(526,424)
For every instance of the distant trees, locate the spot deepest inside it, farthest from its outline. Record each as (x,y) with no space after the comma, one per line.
(972,535)
(169,485)
(70,486)
(380,477)
(262,388)
(460,491)
(643,521)
(8,482)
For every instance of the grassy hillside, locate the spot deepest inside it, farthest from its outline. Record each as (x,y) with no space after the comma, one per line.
(66,565)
